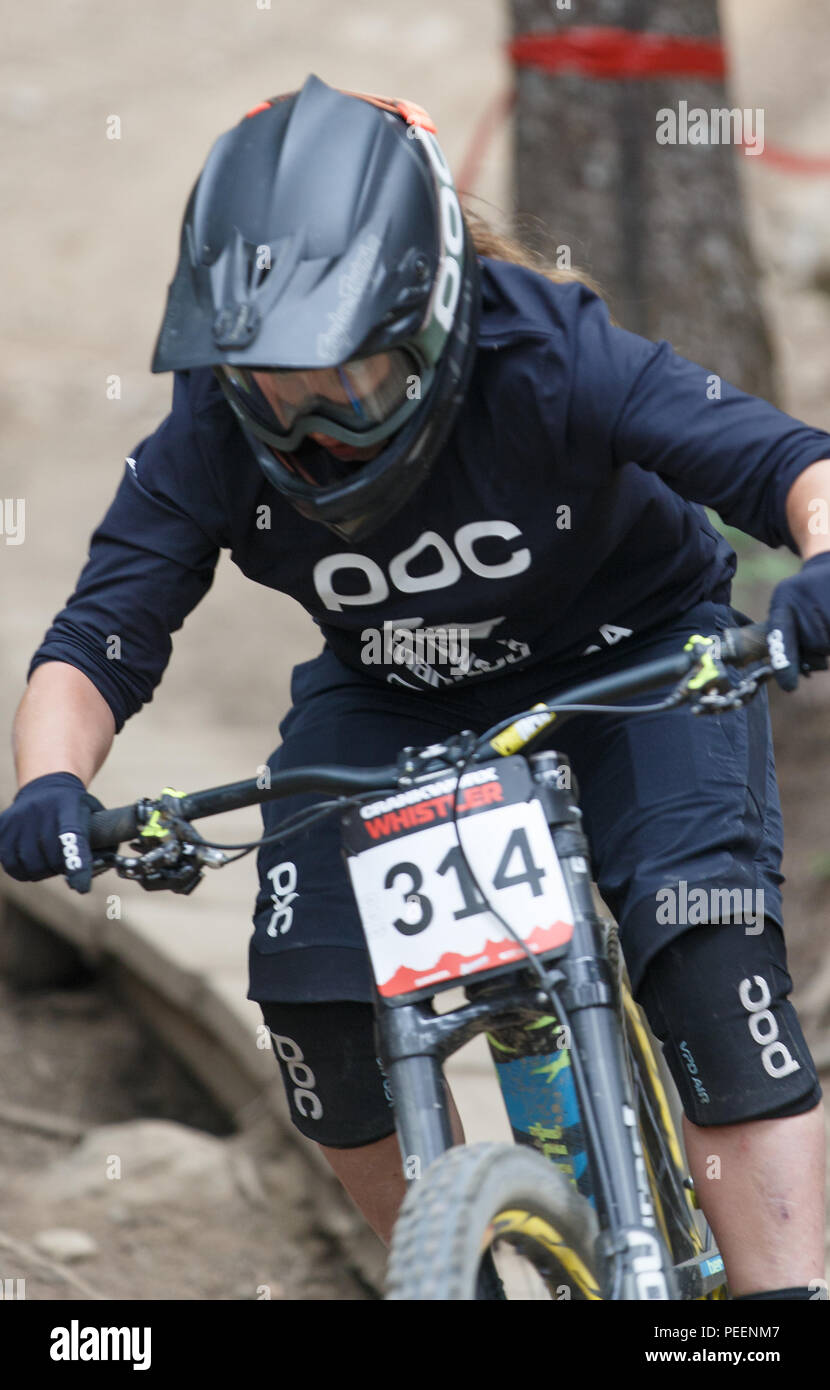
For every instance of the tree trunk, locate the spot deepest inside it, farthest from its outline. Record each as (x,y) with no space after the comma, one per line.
(660,226)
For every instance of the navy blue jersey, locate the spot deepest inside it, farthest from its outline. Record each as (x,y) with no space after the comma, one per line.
(566,511)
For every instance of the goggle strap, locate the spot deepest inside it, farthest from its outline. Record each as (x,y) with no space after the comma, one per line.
(409,111)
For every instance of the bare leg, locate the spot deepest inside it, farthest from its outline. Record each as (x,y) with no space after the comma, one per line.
(373,1176)
(761,1186)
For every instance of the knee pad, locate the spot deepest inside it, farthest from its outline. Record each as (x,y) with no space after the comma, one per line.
(716,998)
(338,1094)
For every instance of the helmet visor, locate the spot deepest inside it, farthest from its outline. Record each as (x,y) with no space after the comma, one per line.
(361,401)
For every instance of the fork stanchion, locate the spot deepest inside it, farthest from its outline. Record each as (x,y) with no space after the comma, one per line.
(637,1264)
(411,1054)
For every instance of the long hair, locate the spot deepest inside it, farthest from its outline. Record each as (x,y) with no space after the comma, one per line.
(501,247)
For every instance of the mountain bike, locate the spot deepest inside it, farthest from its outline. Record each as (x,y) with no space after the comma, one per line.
(471,872)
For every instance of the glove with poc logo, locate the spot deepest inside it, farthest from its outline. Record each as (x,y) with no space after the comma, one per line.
(798,627)
(45,831)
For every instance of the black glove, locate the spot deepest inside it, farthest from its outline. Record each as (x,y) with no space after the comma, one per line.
(45,831)
(798,627)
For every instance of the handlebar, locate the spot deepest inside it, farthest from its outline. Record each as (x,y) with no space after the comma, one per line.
(108,828)
(741,645)
(738,645)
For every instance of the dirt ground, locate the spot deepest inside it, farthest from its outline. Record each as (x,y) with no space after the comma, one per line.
(91,228)
(189,1212)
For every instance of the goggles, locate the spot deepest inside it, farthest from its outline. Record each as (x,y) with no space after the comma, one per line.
(360,402)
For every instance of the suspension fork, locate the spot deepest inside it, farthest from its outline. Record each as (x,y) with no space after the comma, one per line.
(635,1257)
(413,1048)
(414,1042)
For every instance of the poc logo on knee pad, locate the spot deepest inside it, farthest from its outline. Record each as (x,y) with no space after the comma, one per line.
(777,1059)
(302,1076)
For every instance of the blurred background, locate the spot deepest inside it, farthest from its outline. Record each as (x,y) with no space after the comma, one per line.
(726,254)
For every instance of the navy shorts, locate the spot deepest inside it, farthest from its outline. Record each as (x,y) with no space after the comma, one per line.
(681,812)
(716,998)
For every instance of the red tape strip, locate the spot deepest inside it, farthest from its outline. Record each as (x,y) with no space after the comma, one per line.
(619,54)
(791,163)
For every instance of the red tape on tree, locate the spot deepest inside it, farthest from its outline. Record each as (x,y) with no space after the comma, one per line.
(791,163)
(623,55)
(619,54)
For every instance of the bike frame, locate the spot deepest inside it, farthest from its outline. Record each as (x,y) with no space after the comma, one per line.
(577,982)
(414,1042)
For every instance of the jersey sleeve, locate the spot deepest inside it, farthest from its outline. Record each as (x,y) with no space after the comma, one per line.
(709,441)
(151,560)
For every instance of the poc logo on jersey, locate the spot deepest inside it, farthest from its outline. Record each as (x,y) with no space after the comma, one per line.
(71,855)
(302,1076)
(764,1028)
(429,544)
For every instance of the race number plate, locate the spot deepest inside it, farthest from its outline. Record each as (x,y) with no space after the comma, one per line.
(424,886)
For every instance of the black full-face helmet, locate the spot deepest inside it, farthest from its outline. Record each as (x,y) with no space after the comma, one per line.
(323,245)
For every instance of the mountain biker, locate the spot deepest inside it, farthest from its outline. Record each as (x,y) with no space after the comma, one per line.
(390,413)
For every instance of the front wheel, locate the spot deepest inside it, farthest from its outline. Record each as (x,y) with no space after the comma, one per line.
(499,1202)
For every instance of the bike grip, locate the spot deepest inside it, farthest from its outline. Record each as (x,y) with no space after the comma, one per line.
(740,645)
(109,828)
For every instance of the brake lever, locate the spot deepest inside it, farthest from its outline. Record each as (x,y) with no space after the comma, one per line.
(714,702)
(181,879)
(708,675)
(103,861)
(178,866)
